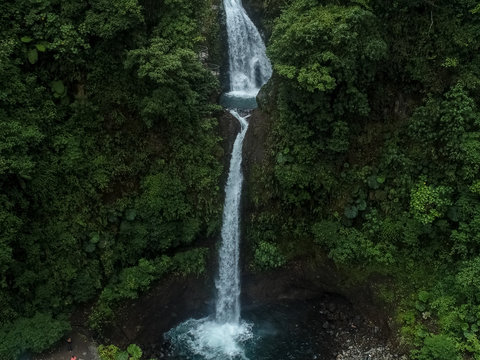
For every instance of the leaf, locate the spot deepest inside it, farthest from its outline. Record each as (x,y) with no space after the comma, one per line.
(420,332)
(372,182)
(452,214)
(32,56)
(420,306)
(26,39)
(380,179)
(58,87)
(130,214)
(351,212)
(121,356)
(280,158)
(135,351)
(41,47)
(90,247)
(355,189)
(423,296)
(94,238)
(361,204)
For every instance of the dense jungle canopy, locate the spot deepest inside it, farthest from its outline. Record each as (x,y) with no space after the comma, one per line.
(111,157)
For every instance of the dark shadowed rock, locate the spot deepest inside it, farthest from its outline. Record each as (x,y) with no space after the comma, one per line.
(228,129)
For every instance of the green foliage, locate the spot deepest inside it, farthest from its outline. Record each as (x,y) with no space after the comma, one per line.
(91,197)
(438,347)
(329,41)
(106,20)
(130,282)
(190,262)
(450,128)
(321,92)
(351,212)
(348,245)
(429,202)
(439,34)
(468,278)
(267,256)
(30,334)
(112,352)
(134,351)
(108,352)
(134,280)
(376,98)
(32,56)
(181,82)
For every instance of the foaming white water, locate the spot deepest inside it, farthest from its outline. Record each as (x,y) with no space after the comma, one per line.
(242,94)
(249,66)
(207,339)
(228,282)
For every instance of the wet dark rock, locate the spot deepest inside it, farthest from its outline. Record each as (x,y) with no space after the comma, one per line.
(228,129)
(254,9)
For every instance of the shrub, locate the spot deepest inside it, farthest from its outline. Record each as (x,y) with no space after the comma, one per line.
(438,347)
(31,334)
(268,256)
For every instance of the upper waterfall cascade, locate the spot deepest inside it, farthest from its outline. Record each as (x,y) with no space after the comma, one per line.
(248,63)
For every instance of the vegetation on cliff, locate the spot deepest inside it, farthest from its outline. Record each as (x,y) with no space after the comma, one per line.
(374,157)
(110,159)
(109,156)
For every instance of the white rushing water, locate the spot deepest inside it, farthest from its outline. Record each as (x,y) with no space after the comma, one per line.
(228,282)
(248,63)
(224,335)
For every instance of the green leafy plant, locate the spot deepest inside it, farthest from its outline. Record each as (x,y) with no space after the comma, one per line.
(268,256)
(429,202)
(439,347)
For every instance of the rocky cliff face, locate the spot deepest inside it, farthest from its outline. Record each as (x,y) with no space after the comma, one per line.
(256,140)
(263,13)
(255,9)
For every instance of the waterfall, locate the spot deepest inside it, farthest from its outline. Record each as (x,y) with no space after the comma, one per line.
(248,63)
(228,282)
(222,336)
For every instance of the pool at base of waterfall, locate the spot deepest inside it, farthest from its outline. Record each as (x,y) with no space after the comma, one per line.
(207,339)
(241,100)
(298,330)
